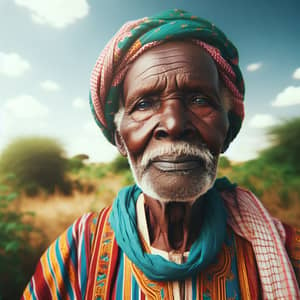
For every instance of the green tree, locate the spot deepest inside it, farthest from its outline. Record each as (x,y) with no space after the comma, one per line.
(76,163)
(37,162)
(285,148)
(224,162)
(120,164)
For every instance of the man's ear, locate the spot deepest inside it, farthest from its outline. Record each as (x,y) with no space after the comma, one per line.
(120,143)
(228,138)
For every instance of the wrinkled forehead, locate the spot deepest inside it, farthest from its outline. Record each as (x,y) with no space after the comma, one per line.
(169,59)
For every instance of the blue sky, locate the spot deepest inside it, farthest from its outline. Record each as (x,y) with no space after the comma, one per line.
(48,48)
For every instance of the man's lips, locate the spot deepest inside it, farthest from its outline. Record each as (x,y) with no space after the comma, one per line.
(176,165)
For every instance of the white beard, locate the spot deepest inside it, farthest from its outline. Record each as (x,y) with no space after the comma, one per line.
(181,194)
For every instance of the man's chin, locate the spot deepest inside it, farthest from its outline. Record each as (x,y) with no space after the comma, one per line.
(181,180)
(175,189)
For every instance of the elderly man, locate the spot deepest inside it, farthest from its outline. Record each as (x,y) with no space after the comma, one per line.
(168,92)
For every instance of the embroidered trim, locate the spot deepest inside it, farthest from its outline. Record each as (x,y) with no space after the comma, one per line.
(127,280)
(242,269)
(154,290)
(212,281)
(103,259)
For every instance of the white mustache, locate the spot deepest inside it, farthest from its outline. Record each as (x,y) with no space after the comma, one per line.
(178,149)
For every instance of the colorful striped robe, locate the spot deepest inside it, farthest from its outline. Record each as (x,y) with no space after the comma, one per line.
(86,263)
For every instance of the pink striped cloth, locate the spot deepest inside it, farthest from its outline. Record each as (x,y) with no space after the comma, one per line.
(250,220)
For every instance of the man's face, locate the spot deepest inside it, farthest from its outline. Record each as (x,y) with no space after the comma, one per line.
(174,122)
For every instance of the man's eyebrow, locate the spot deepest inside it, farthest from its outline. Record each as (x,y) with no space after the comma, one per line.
(145,90)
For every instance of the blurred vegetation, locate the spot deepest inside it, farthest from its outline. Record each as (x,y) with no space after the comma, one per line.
(120,164)
(15,251)
(277,168)
(94,171)
(224,162)
(38,164)
(285,149)
(76,163)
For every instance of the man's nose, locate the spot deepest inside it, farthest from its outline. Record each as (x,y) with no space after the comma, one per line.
(174,121)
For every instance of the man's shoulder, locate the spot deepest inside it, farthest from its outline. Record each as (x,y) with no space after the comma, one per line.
(289,235)
(88,222)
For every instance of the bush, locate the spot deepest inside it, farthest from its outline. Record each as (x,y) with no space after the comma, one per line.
(37,162)
(120,164)
(128,178)
(92,171)
(14,246)
(224,162)
(285,149)
(76,163)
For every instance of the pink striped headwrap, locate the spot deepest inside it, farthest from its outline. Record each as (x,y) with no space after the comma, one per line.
(136,37)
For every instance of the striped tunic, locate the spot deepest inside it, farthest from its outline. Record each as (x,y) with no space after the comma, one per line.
(62,270)
(69,269)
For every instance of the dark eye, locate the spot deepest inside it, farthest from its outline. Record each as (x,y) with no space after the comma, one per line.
(145,104)
(199,100)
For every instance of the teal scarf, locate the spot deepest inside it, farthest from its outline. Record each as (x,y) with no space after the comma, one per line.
(203,251)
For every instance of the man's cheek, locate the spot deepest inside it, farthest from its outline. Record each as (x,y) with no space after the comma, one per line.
(211,130)
(137,135)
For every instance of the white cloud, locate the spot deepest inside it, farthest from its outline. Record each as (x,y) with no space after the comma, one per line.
(288,97)
(22,116)
(248,143)
(296,74)
(246,147)
(90,140)
(12,64)
(262,121)
(254,67)
(25,107)
(80,103)
(56,13)
(50,86)
(95,146)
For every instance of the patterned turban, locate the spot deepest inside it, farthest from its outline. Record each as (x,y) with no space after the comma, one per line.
(136,37)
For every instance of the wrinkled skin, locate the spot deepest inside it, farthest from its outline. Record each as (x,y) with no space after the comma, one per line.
(172,94)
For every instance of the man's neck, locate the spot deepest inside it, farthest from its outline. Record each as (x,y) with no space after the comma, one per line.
(173,226)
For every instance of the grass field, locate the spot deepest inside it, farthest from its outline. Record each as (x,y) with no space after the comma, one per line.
(54,213)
